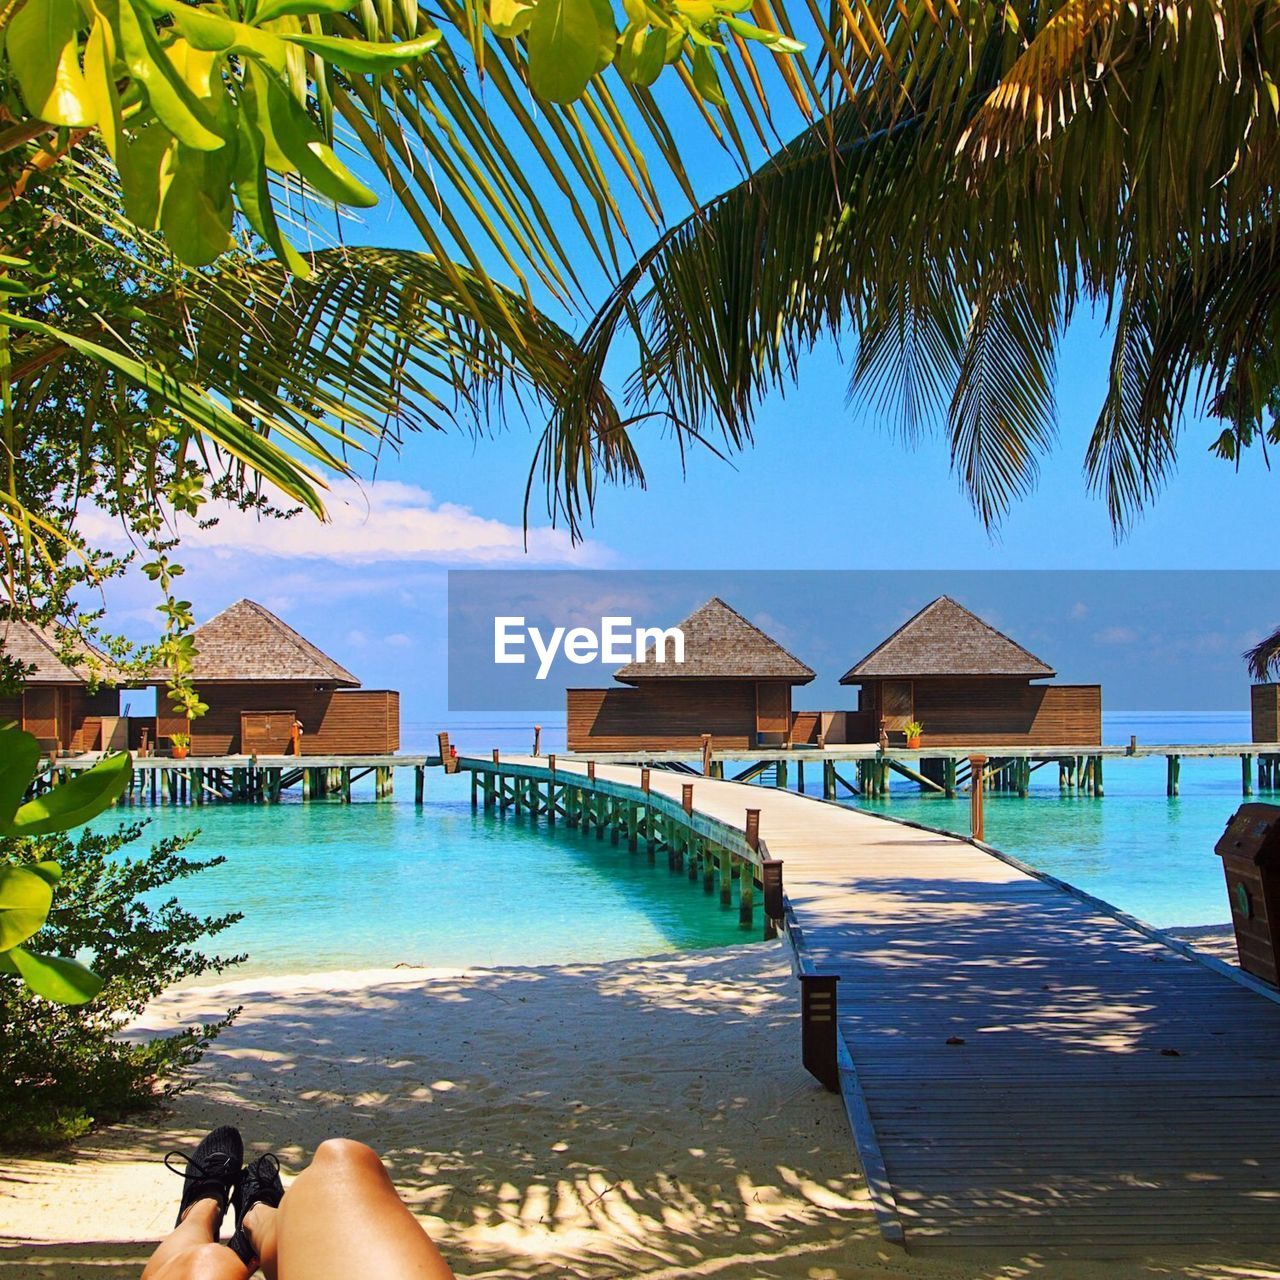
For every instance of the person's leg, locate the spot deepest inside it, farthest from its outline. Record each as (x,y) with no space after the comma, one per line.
(209,1174)
(342,1217)
(191,1252)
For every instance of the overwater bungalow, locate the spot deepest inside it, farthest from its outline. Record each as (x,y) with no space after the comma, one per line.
(968,684)
(65,699)
(1264,706)
(259,676)
(735,683)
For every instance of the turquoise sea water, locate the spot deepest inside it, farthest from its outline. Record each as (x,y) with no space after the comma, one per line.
(329,886)
(326,886)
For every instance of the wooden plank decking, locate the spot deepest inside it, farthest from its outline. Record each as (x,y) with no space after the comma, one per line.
(1023,1067)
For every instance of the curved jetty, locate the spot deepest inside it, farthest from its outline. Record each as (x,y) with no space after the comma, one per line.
(1021,1065)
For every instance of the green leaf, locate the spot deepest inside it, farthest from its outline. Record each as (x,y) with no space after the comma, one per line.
(569,41)
(364,57)
(146,164)
(177,108)
(19,759)
(642,53)
(254,193)
(509,18)
(42,41)
(25,900)
(100,83)
(773,39)
(298,137)
(213,33)
(196,214)
(63,981)
(705,79)
(51,872)
(270,9)
(72,804)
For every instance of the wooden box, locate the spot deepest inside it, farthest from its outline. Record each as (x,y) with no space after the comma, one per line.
(1250,853)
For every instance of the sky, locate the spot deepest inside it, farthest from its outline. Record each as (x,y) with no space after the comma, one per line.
(825,486)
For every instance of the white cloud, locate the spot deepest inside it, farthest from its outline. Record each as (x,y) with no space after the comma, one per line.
(384,521)
(1117,635)
(397,640)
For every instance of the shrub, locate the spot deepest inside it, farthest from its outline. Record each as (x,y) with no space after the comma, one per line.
(65,1068)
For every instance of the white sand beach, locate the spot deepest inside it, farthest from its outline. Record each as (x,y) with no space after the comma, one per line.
(648,1118)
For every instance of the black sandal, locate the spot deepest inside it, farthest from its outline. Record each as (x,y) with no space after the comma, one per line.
(211,1171)
(259,1184)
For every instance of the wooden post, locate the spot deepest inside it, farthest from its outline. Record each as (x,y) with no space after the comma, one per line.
(799,777)
(949,777)
(591,770)
(273,786)
(693,855)
(420,784)
(829,779)
(753,829)
(780,774)
(686,797)
(977,823)
(537,740)
(1173,767)
(1246,775)
(746,893)
(726,877)
(818,1028)
(706,755)
(708,867)
(771,878)
(644,779)
(346,784)
(551,789)
(1133,744)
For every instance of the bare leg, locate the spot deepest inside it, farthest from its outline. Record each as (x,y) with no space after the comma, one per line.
(342,1217)
(191,1252)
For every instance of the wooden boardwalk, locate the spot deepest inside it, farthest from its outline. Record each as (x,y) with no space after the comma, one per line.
(1022,1067)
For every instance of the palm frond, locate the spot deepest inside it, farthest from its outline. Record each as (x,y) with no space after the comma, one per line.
(1263,659)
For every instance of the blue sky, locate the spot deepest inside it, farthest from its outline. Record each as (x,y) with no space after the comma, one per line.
(825,487)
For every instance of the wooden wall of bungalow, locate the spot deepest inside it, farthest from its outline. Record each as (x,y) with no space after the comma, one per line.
(256,718)
(959,711)
(1265,708)
(66,715)
(672,715)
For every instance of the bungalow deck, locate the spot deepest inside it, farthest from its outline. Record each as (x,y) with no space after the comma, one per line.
(1023,1066)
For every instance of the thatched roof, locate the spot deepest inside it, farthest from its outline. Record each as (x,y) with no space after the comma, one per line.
(720,644)
(246,642)
(945,639)
(38,647)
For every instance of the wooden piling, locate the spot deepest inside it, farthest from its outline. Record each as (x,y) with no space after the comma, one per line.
(746,894)
(977,815)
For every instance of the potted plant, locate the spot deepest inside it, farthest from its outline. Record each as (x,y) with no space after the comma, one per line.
(181,745)
(913,730)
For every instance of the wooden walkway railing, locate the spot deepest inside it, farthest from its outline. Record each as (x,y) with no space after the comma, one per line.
(1022,1066)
